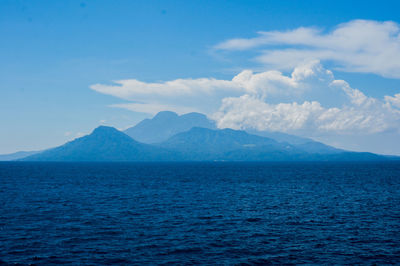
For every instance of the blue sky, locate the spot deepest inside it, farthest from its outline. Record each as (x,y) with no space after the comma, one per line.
(59,61)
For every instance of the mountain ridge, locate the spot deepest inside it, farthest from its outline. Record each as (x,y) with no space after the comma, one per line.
(193,144)
(237,145)
(197,144)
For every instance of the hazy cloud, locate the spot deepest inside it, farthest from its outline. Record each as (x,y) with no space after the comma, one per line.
(357,46)
(154,108)
(178,95)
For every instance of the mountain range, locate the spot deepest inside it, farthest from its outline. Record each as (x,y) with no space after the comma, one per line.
(191,137)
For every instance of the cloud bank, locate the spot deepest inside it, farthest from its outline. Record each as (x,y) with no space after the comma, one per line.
(363,46)
(297,103)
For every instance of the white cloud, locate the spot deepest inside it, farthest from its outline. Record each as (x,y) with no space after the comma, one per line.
(308,101)
(308,118)
(357,113)
(250,112)
(130,89)
(179,95)
(357,46)
(153,109)
(395,101)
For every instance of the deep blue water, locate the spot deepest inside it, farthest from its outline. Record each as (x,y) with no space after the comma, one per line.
(208,213)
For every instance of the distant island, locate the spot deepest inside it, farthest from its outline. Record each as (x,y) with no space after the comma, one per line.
(190,137)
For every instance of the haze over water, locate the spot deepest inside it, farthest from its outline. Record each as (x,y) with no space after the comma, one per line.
(226,213)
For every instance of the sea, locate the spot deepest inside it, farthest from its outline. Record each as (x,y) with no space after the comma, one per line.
(208,213)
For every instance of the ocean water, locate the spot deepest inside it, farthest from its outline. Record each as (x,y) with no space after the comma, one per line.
(199,213)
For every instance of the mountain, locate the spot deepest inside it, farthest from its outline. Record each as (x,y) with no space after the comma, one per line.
(17,155)
(225,144)
(234,145)
(180,138)
(166,124)
(196,144)
(104,144)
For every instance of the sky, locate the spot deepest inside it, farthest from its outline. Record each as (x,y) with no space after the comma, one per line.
(321,69)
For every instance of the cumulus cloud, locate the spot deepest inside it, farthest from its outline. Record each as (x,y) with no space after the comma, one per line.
(364,46)
(357,113)
(395,101)
(250,112)
(307,118)
(309,100)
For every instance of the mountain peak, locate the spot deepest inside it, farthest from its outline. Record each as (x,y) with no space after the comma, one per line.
(103,144)
(165,115)
(106,130)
